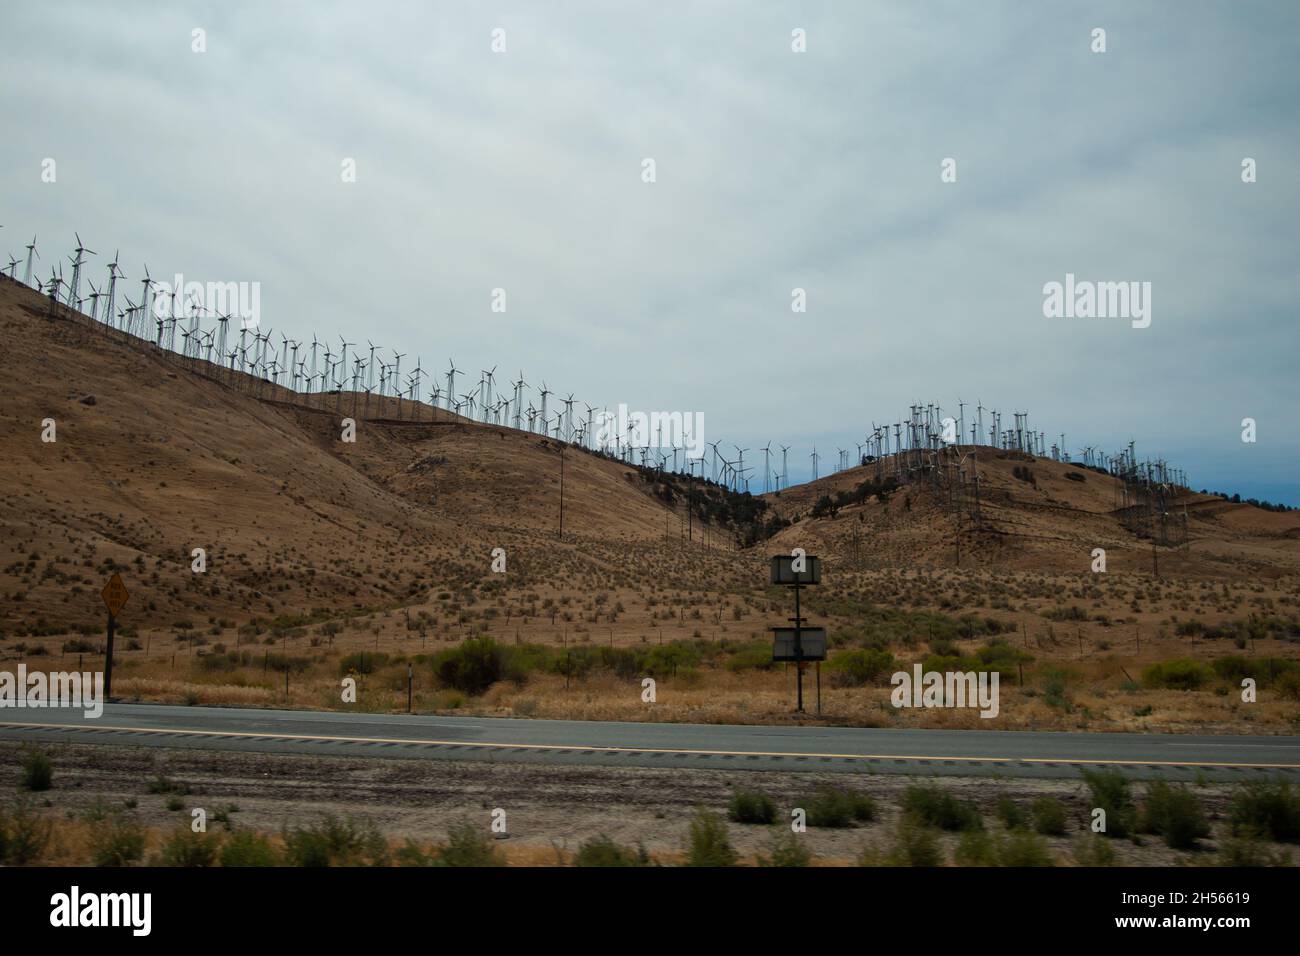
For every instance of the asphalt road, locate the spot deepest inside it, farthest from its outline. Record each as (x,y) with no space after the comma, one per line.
(688,746)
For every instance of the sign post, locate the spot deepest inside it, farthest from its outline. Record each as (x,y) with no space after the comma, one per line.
(114,595)
(799,644)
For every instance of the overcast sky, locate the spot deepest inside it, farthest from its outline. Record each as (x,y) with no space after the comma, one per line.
(775,170)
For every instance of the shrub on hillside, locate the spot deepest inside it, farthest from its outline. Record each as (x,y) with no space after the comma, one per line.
(858,667)
(1179,674)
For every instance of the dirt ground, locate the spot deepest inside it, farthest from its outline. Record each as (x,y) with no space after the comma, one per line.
(549,809)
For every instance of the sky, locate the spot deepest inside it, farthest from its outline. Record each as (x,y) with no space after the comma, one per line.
(523,169)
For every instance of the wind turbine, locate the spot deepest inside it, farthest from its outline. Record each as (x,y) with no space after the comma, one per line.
(451,383)
(77,263)
(31,251)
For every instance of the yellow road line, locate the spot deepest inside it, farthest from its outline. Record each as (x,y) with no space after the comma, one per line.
(168,731)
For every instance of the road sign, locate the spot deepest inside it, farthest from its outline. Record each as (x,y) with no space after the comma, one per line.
(783,570)
(114,595)
(812,641)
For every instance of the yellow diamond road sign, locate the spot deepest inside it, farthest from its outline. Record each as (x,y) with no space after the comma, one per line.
(114,594)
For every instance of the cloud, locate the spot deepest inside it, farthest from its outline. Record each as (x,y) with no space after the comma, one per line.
(776,170)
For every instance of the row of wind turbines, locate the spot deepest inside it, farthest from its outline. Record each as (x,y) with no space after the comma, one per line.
(320,370)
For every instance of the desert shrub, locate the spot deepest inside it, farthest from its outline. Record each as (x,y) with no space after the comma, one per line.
(468,845)
(975,848)
(1017,847)
(164,784)
(1266,671)
(857,667)
(785,849)
(1266,808)
(38,771)
(1093,850)
(932,806)
(1049,816)
(1110,793)
(248,848)
(833,807)
(708,842)
(187,848)
(910,845)
(1179,674)
(1011,814)
(749,806)
(24,835)
(1023,848)
(755,656)
(602,851)
(336,841)
(1175,814)
(116,841)
(362,662)
(471,667)
(1249,851)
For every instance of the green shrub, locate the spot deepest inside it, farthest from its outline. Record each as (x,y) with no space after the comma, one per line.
(1012,814)
(1093,850)
(975,848)
(468,845)
(1179,674)
(858,667)
(336,841)
(248,848)
(1023,848)
(471,667)
(785,849)
(1249,851)
(932,806)
(116,841)
(362,662)
(38,771)
(1266,808)
(755,656)
(187,848)
(602,851)
(1049,816)
(910,845)
(1175,814)
(709,844)
(162,784)
(833,807)
(1017,847)
(24,835)
(749,806)
(1110,793)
